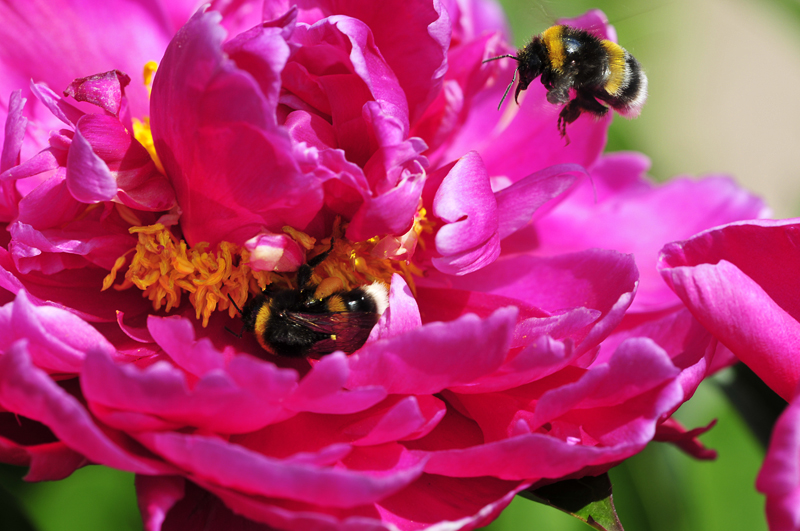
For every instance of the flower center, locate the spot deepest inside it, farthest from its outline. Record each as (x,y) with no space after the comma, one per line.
(164,267)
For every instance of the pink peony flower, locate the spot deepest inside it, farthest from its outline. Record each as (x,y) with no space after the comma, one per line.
(737,280)
(506,358)
(733,279)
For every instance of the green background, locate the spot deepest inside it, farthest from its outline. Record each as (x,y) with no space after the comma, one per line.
(681,130)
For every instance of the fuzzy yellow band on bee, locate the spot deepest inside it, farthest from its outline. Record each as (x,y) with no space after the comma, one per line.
(552,38)
(336,304)
(616,67)
(262,319)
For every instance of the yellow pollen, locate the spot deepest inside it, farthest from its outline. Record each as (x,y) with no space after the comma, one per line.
(142,133)
(148,73)
(164,267)
(141,128)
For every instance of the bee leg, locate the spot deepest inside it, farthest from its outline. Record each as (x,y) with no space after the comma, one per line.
(582,103)
(307,269)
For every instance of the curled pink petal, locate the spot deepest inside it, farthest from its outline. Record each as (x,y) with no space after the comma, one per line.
(28,391)
(104,90)
(157,495)
(274,252)
(730,279)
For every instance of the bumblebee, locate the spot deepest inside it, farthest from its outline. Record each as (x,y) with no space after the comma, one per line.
(298,323)
(600,73)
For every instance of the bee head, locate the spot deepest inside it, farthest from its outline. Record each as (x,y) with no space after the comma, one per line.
(531,66)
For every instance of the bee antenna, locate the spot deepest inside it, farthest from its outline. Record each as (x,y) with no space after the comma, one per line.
(239,335)
(513,79)
(234,304)
(500,57)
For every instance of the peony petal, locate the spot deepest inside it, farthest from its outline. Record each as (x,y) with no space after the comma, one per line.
(517,203)
(199,93)
(254,473)
(621,210)
(57,339)
(322,389)
(778,478)
(402,315)
(464,201)
(88,177)
(24,442)
(216,402)
(156,495)
(104,90)
(28,391)
(417,362)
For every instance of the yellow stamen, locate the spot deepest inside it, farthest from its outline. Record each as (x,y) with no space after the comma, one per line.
(141,128)
(164,267)
(148,73)
(142,133)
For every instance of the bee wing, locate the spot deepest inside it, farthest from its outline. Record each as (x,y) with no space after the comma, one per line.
(346,331)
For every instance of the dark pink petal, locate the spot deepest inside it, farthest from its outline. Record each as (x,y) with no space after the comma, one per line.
(733,280)
(62,110)
(45,160)
(404,419)
(200,510)
(531,141)
(637,366)
(672,431)
(216,402)
(80,41)
(78,245)
(88,178)
(47,462)
(540,358)
(517,203)
(595,279)
(177,337)
(519,455)
(156,495)
(412,37)
(104,90)
(15,125)
(473,18)
(322,390)
(690,346)
(463,503)
(57,340)
(73,290)
(236,467)
(780,473)
(447,304)
(28,391)
(139,184)
(274,252)
(9,157)
(435,356)
(262,52)
(626,212)
(464,201)
(389,213)
(24,442)
(200,93)
(402,315)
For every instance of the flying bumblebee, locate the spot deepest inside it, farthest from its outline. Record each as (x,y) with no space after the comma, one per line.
(600,73)
(297,323)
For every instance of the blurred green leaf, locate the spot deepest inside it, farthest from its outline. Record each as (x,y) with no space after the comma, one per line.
(13,516)
(758,405)
(588,499)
